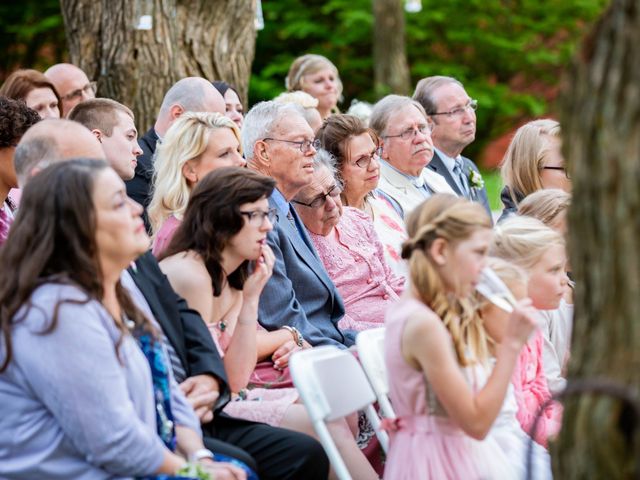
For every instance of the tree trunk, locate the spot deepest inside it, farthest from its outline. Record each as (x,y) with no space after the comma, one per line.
(136,66)
(601,136)
(389,56)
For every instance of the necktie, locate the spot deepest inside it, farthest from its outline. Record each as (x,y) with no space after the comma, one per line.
(458,170)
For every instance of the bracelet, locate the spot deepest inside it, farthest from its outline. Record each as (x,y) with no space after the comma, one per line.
(297,336)
(200,454)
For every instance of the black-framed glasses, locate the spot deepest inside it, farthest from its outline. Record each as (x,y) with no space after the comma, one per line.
(256,217)
(460,111)
(334,192)
(303,145)
(365,160)
(411,132)
(89,87)
(564,169)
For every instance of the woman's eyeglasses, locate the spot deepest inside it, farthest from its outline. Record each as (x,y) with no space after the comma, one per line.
(256,217)
(365,160)
(564,169)
(334,192)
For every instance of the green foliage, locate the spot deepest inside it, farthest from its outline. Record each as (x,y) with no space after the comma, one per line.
(31,35)
(508,53)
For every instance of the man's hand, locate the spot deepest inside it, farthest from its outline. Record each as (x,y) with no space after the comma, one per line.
(202,391)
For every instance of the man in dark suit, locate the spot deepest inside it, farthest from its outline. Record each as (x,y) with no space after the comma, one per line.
(278,141)
(452,112)
(273,453)
(191,94)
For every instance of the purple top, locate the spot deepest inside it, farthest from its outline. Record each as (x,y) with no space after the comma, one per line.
(162,239)
(70,407)
(354,258)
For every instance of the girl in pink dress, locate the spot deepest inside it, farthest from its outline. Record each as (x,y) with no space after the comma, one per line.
(433,345)
(540,251)
(219,262)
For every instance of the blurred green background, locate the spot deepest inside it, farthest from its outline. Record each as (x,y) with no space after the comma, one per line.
(510,54)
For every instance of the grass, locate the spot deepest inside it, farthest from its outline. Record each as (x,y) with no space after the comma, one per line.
(493,182)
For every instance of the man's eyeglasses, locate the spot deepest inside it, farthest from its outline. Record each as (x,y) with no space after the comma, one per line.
(564,169)
(88,88)
(304,145)
(334,192)
(460,111)
(411,132)
(365,160)
(256,217)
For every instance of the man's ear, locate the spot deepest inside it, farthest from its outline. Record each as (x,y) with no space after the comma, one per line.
(98,134)
(261,156)
(384,154)
(175,111)
(439,251)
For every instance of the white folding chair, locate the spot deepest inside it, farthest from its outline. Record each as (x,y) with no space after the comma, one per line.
(370,345)
(332,385)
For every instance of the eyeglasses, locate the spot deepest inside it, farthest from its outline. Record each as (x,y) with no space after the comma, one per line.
(365,160)
(334,192)
(411,132)
(88,88)
(304,145)
(256,218)
(564,169)
(460,111)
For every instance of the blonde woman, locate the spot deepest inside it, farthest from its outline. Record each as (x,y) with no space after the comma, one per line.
(533,161)
(431,354)
(550,206)
(307,102)
(317,76)
(196,144)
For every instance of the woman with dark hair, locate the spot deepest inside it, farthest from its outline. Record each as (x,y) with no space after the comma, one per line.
(34,89)
(233,106)
(85,388)
(219,261)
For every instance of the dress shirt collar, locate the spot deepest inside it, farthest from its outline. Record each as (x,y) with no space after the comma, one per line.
(417,182)
(448,161)
(280,201)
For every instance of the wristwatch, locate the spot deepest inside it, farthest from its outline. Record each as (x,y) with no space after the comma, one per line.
(297,336)
(201,454)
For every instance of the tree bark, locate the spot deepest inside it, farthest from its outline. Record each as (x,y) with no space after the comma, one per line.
(205,38)
(601,137)
(389,56)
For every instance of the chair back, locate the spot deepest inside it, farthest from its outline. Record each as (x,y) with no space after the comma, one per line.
(370,345)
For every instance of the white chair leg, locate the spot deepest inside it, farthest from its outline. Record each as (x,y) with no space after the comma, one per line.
(383,437)
(331,450)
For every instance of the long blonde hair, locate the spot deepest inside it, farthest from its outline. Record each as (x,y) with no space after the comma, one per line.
(522,162)
(453,219)
(523,240)
(185,140)
(545,205)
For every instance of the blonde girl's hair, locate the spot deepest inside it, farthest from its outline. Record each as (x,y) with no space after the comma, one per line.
(522,162)
(308,65)
(523,241)
(186,139)
(545,205)
(453,219)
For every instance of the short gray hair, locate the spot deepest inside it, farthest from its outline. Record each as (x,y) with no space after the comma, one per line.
(261,119)
(323,159)
(426,87)
(189,93)
(387,107)
(34,152)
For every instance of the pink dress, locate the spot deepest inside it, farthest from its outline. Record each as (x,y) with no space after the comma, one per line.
(531,390)
(162,239)
(426,444)
(355,261)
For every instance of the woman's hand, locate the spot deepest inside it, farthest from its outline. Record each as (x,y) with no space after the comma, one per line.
(261,274)
(281,356)
(522,322)
(223,471)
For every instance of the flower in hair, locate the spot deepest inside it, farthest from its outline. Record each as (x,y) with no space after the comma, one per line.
(475,179)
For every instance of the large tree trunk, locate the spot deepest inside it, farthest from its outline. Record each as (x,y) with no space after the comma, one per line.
(601,132)
(205,38)
(389,56)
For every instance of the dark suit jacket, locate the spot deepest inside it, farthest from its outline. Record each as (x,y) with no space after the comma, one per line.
(139,187)
(183,326)
(438,166)
(300,293)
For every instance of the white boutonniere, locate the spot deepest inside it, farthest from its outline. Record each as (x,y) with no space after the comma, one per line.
(475,179)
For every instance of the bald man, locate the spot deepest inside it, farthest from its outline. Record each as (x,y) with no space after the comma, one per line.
(72,85)
(51,141)
(191,94)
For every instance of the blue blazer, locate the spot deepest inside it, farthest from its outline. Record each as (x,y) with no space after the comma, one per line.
(477,194)
(300,293)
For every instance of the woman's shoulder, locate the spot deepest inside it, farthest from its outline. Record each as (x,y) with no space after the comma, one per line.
(186,269)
